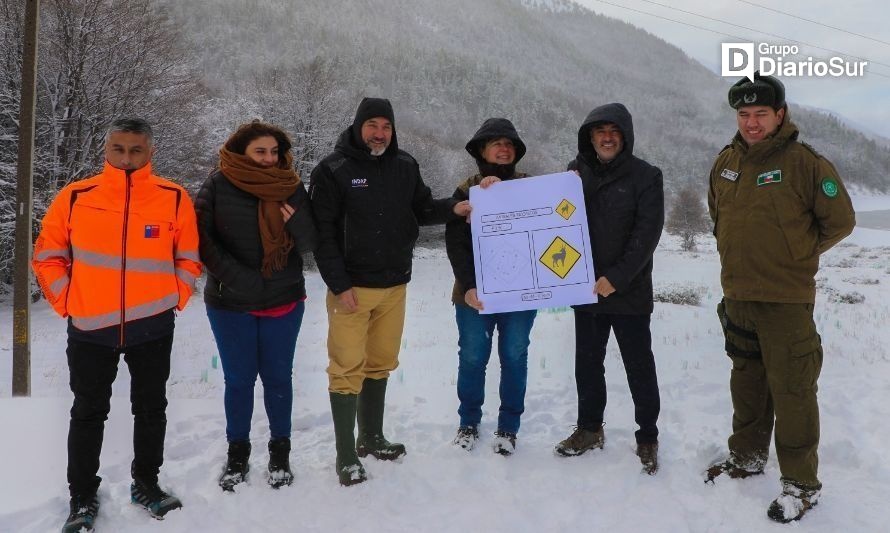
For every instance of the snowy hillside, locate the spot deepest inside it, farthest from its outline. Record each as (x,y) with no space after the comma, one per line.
(440,488)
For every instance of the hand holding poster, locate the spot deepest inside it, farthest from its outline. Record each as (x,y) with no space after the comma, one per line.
(531,245)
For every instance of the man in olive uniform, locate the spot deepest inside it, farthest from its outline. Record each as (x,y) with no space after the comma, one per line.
(777,205)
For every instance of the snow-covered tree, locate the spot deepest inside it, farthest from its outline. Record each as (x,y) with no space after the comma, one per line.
(687,218)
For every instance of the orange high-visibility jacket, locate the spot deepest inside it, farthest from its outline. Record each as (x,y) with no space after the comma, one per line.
(117,247)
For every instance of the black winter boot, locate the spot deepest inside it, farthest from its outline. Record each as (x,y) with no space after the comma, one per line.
(279,463)
(237,465)
(349,469)
(370,423)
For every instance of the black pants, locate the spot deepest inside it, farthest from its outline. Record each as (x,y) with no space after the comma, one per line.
(635,343)
(93,368)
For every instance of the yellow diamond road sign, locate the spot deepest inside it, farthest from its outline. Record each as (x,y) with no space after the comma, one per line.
(560,257)
(565,209)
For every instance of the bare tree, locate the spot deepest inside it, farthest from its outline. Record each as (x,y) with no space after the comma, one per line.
(102,59)
(688,218)
(309,101)
(99,60)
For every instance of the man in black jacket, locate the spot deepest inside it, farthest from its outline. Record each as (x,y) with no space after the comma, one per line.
(624,198)
(368,199)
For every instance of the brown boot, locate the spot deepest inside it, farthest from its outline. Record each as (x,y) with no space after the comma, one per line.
(580,441)
(648,454)
(737,467)
(793,503)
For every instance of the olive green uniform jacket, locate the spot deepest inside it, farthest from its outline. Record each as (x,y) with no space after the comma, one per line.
(776,207)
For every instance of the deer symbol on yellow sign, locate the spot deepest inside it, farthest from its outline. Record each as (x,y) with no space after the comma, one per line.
(565,209)
(560,257)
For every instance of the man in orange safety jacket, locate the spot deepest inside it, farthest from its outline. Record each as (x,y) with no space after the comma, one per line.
(116,254)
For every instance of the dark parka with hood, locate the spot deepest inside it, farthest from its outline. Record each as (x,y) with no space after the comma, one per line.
(458,235)
(367,208)
(624,199)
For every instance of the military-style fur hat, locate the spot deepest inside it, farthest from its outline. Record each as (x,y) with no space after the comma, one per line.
(764,90)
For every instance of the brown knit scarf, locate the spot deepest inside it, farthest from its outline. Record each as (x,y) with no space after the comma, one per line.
(272,186)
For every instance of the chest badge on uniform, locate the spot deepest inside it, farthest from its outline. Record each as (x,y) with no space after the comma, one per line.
(152,231)
(773,176)
(829,186)
(359,182)
(731,175)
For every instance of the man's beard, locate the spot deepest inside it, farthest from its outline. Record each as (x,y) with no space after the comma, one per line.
(378,152)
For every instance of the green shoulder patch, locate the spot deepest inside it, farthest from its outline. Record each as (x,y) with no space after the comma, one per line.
(829,186)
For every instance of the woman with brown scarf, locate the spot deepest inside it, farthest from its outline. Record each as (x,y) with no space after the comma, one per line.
(255,221)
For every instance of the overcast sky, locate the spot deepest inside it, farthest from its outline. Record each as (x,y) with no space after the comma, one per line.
(865,102)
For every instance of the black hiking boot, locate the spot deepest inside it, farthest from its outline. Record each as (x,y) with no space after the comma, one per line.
(580,441)
(793,503)
(466,437)
(349,469)
(370,423)
(280,474)
(237,465)
(648,454)
(82,515)
(155,500)
(504,443)
(736,467)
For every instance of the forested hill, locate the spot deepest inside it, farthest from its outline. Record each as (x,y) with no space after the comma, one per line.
(198,68)
(447,65)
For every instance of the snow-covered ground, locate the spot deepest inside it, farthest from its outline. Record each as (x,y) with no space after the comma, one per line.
(439,488)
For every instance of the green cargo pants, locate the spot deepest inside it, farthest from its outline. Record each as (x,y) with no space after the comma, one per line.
(776,359)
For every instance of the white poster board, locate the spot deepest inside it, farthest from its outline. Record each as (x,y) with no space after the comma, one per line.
(531,246)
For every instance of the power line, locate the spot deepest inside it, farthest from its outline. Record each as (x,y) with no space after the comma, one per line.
(815,22)
(734,36)
(673,20)
(764,32)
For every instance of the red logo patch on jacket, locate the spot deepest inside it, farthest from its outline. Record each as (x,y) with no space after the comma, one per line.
(152,231)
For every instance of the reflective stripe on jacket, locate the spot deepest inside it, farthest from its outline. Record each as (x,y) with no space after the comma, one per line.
(118,247)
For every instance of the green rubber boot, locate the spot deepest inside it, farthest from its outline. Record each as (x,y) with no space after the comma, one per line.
(370,423)
(349,469)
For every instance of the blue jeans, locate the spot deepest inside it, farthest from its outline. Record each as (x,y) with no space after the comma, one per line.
(475,332)
(250,345)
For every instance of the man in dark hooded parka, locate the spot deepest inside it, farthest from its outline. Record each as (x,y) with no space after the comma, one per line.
(624,199)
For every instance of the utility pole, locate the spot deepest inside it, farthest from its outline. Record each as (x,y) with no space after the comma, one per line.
(21,321)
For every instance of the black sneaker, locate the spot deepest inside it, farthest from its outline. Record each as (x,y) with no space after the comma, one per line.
(155,500)
(504,443)
(83,514)
(466,437)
